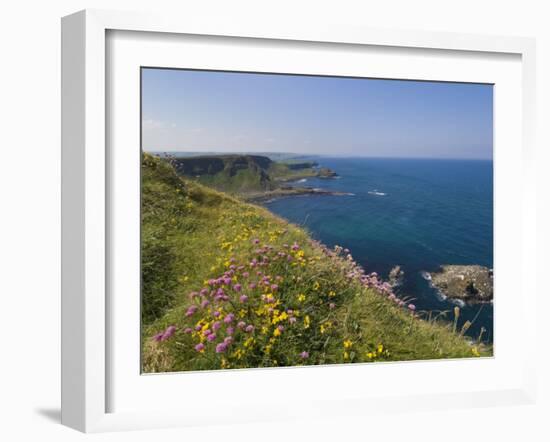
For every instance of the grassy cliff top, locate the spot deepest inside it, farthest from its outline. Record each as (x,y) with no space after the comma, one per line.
(229,285)
(242,173)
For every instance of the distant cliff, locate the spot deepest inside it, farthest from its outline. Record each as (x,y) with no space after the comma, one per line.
(245,174)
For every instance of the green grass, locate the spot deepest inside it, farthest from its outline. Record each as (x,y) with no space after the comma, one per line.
(191,234)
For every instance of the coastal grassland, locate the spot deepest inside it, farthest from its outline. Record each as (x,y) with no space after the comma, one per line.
(241,174)
(226,284)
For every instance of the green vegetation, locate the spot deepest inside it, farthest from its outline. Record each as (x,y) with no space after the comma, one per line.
(270,296)
(243,174)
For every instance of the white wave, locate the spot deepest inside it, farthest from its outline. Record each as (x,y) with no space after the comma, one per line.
(376,192)
(303,180)
(426,276)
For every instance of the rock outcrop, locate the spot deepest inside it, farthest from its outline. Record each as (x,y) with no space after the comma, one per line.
(468,283)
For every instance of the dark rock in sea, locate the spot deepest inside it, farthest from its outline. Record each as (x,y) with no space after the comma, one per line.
(396,276)
(325,172)
(471,284)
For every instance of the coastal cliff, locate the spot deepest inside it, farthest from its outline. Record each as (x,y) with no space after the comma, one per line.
(273,295)
(253,177)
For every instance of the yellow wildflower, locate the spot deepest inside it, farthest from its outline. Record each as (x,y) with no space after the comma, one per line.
(301,297)
(475,351)
(347,343)
(380,348)
(306,321)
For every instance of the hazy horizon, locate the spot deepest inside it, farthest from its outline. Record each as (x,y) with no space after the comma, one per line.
(308,155)
(213,112)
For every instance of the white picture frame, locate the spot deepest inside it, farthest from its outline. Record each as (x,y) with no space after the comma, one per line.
(86,208)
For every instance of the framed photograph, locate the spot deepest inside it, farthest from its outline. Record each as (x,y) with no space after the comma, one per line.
(253,213)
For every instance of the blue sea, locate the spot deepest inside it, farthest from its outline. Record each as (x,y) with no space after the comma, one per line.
(416,213)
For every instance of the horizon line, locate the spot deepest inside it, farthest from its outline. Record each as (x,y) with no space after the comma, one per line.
(206,153)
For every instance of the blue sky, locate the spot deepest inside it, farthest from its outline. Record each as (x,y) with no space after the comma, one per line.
(239,112)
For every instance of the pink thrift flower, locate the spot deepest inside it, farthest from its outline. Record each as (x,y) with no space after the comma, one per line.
(274,287)
(191,311)
(230,330)
(412,307)
(243,298)
(241,324)
(199,347)
(188,330)
(237,287)
(221,347)
(331,305)
(205,303)
(249,328)
(229,318)
(168,333)
(216,325)
(246,274)
(211,337)
(304,355)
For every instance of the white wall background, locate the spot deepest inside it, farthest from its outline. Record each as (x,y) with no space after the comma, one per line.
(30,214)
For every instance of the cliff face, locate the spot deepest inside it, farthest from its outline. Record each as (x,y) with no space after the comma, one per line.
(245,174)
(234,173)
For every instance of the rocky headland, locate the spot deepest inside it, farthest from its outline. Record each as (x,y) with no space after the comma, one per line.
(471,284)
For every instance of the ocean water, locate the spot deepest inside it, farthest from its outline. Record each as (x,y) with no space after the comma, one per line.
(416,213)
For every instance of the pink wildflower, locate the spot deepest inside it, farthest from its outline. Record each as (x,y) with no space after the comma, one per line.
(191,311)
(221,347)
